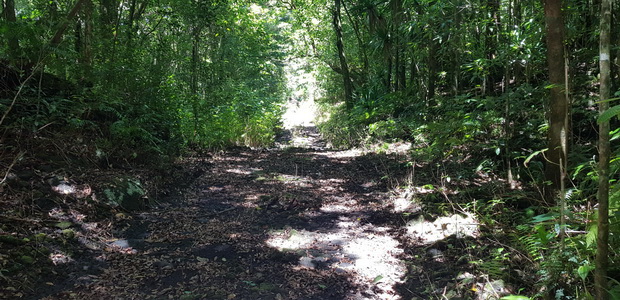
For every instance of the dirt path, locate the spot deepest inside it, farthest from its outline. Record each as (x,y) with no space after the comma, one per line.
(293,223)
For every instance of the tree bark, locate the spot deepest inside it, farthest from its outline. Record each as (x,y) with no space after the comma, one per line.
(346,75)
(558,134)
(10,35)
(602,240)
(360,43)
(433,48)
(65,23)
(196,32)
(491,42)
(87,48)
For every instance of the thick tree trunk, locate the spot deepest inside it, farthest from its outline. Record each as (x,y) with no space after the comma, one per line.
(558,134)
(600,273)
(346,75)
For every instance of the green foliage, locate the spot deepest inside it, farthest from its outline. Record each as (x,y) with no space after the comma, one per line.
(496,266)
(613,111)
(199,74)
(126,193)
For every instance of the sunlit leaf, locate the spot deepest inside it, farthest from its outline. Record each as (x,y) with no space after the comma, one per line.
(584,270)
(63,225)
(527,160)
(608,114)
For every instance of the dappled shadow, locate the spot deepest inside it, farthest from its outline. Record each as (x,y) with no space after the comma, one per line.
(287,223)
(294,223)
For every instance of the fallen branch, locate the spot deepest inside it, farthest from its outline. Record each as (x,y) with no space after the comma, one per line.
(18,157)
(10,218)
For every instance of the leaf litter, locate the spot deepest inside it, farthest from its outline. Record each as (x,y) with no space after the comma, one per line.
(300,221)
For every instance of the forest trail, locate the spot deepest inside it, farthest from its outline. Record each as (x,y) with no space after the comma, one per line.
(288,223)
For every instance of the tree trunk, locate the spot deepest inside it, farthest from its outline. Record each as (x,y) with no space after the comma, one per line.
(490,37)
(195,59)
(360,43)
(600,273)
(396,7)
(10,35)
(346,75)
(432,71)
(558,134)
(65,23)
(402,71)
(87,46)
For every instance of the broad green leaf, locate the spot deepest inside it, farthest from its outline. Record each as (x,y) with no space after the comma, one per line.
(63,225)
(377,279)
(527,160)
(544,217)
(608,114)
(584,270)
(591,235)
(610,99)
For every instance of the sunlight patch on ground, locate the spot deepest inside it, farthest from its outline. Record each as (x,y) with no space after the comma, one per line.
(302,142)
(60,258)
(331,180)
(458,225)
(239,171)
(364,250)
(376,259)
(294,180)
(340,205)
(336,208)
(400,148)
(341,154)
(404,200)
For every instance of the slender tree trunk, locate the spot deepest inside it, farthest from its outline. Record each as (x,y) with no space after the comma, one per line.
(397,43)
(558,134)
(77,33)
(600,273)
(10,35)
(65,23)
(360,43)
(432,70)
(491,33)
(87,46)
(132,13)
(346,75)
(402,71)
(195,59)
(455,59)
(388,75)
